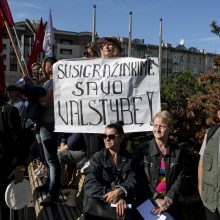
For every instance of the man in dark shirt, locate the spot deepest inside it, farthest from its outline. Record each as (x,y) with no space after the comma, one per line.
(11,152)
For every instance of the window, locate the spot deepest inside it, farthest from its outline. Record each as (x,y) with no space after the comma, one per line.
(13,62)
(182,68)
(66,42)
(66,51)
(176,58)
(181,58)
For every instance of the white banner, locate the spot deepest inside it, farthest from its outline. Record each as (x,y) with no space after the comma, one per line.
(91,93)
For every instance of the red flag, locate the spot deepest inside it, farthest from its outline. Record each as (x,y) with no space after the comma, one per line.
(2,74)
(6,12)
(37,47)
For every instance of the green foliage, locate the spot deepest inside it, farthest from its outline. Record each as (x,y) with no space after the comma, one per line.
(192,100)
(175,90)
(215,28)
(202,107)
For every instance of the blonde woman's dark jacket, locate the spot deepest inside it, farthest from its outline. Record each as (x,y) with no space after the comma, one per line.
(147,160)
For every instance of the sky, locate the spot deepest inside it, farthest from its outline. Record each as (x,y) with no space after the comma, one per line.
(183,20)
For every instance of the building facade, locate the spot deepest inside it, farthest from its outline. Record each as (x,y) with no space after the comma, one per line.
(71,45)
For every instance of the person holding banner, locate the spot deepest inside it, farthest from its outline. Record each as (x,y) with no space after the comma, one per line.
(109,47)
(159,166)
(46,135)
(91,50)
(109,177)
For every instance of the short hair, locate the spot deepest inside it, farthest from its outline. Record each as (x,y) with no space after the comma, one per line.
(166,116)
(11,88)
(36,65)
(50,60)
(118,126)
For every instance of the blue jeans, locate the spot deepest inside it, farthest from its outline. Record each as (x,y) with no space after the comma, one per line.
(48,139)
(69,157)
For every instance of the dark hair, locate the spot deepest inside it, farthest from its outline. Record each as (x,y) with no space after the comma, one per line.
(94,48)
(113,40)
(3,98)
(50,60)
(36,65)
(118,126)
(11,88)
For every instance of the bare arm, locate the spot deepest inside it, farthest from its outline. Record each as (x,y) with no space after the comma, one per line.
(200,174)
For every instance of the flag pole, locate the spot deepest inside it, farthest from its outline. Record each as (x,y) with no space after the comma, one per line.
(94,24)
(160,50)
(24,72)
(130,34)
(22,57)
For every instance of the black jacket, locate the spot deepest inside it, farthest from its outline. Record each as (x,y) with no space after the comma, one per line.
(102,175)
(11,152)
(147,160)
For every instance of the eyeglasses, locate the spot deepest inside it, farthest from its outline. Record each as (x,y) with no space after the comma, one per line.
(159,126)
(110,136)
(107,44)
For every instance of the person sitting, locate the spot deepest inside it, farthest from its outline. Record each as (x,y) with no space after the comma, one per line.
(72,149)
(110,177)
(159,168)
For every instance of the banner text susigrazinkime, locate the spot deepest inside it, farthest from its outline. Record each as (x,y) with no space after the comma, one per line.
(91,93)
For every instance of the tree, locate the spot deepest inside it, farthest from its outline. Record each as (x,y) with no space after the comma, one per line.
(192,101)
(216,60)
(202,107)
(215,28)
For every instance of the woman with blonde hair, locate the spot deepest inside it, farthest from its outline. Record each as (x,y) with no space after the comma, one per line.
(160,162)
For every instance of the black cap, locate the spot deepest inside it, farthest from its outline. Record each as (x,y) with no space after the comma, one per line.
(13,88)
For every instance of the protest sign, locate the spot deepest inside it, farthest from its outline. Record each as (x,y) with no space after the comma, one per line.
(91,93)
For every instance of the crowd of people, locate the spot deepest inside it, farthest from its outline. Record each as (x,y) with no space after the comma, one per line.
(153,170)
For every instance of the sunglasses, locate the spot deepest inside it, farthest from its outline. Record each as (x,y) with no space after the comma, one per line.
(107,44)
(110,136)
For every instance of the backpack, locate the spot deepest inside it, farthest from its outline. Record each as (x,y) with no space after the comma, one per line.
(211,131)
